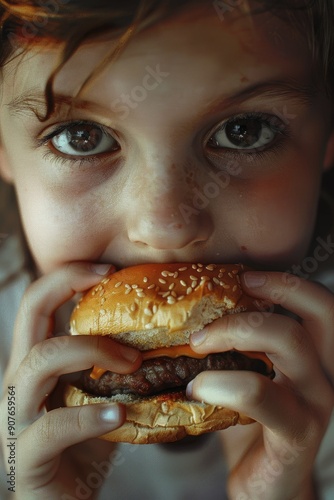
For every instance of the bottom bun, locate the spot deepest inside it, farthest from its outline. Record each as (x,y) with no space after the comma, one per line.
(160,419)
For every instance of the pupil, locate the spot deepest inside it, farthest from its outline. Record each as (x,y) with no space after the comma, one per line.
(84,139)
(244,133)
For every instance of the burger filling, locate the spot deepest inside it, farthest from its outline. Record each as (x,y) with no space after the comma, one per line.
(168,374)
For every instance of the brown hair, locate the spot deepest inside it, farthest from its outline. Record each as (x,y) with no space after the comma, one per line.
(23,23)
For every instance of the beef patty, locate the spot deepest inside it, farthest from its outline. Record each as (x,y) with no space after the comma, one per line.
(158,374)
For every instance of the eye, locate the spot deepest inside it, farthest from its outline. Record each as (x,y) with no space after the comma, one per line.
(82,139)
(246,132)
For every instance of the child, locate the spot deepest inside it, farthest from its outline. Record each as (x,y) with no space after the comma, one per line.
(156,132)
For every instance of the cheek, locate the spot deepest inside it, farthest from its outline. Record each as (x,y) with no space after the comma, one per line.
(59,229)
(278,220)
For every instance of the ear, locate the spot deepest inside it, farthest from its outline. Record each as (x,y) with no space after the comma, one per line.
(329,155)
(5,171)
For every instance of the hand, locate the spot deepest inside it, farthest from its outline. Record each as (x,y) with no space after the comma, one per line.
(274,458)
(50,445)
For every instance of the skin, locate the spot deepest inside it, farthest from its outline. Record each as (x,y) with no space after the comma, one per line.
(161,194)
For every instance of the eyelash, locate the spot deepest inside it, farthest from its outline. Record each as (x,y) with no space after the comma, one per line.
(251,155)
(56,157)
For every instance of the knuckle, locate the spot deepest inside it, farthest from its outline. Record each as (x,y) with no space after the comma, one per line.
(254,391)
(81,420)
(48,430)
(294,338)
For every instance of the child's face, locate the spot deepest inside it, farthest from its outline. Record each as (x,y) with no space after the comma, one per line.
(146,172)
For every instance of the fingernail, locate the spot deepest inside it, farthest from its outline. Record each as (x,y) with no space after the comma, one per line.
(110,414)
(101,269)
(129,354)
(189,389)
(254,280)
(198,338)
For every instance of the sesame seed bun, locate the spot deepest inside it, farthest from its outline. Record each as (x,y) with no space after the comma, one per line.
(156,306)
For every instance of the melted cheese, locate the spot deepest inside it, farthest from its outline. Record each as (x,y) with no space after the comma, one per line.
(176,352)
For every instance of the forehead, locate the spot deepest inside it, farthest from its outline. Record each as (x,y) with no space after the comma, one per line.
(197,45)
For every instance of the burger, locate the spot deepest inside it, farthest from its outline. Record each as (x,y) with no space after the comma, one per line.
(155,308)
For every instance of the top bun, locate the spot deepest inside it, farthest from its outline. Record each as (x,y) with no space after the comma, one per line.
(159,305)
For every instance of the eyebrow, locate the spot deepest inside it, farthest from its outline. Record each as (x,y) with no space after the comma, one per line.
(34,101)
(271,89)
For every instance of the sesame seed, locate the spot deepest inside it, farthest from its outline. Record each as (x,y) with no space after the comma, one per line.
(151,286)
(134,286)
(215,280)
(171,286)
(164,274)
(182,269)
(210,286)
(103,301)
(165,294)
(194,266)
(235,288)
(162,281)
(93,292)
(170,274)
(235,271)
(133,307)
(148,312)
(180,297)
(171,300)
(199,264)
(105,281)
(220,275)
(226,287)
(127,286)
(205,278)
(173,294)
(183,283)
(230,275)
(118,284)
(148,326)
(222,270)
(138,290)
(221,283)
(192,277)
(145,279)
(199,269)
(210,267)
(155,309)
(189,290)
(194,284)
(128,290)
(141,294)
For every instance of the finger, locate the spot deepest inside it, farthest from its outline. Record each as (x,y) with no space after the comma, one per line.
(61,428)
(283,339)
(43,297)
(276,407)
(313,303)
(38,374)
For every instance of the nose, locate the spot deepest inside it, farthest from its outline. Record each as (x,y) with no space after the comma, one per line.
(163,215)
